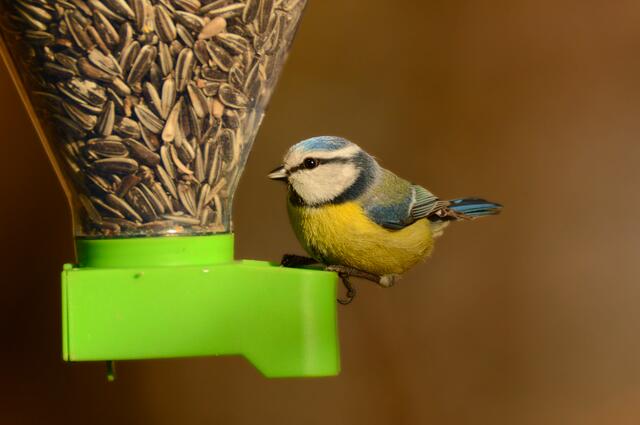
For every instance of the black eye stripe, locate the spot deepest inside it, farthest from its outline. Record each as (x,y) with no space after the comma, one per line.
(321,161)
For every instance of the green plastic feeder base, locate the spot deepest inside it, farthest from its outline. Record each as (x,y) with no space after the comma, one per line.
(167,297)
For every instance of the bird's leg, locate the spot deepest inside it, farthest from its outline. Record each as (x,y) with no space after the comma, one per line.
(291,260)
(351,291)
(345,273)
(350,271)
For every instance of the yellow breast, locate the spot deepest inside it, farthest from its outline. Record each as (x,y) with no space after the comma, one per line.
(343,234)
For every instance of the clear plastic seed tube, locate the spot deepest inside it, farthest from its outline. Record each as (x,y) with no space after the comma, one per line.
(149,108)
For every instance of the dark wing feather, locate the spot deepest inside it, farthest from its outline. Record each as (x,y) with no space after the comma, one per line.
(425,203)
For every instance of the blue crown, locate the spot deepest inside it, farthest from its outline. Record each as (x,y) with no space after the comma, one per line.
(322,143)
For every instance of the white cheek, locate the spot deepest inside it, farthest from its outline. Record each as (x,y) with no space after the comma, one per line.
(324,183)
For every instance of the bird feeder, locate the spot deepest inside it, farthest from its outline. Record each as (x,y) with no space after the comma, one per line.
(147,110)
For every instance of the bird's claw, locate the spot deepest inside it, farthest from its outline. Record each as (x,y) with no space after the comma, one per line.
(345,273)
(292,261)
(357,273)
(351,291)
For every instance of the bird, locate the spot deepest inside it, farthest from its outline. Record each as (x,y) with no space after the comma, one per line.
(359,219)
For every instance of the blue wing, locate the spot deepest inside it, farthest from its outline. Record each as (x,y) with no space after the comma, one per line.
(395,203)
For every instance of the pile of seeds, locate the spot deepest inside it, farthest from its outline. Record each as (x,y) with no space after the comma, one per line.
(151,105)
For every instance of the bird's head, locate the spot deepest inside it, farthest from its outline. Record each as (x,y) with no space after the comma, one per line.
(326,169)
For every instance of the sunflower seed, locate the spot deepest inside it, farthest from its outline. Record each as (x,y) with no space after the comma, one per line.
(175,48)
(181,219)
(103,206)
(220,56)
(231,119)
(171,127)
(106,120)
(120,90)
(196,125)
(165,155)
(217,108)
(92,212)
(265,15)
(190,22)
(161,195)
(166,60)
(107,148)
(198,167)
(122,206)
(151,140)
(184,69)
(213,4)
(214,165)
(141,153)
(226,142)
(84,92)
(155,75)
(148,119)
(227,11)
(144,16)
(121,7)
(106,30)
(68,126)
(164,24)
(212,74)
(232,97)
(152,98)
(58,71)
(218,203)
(186,153)
(126,184)
(100,8)
(76,30)
(250,11)
(209,88)
(127,127)
(121,224)
(126,35)
(129,55)
(83,119)
(98,184)
(201,52)
(105,63)
(198,100)
(146,174)
(236,76)
(167,181)
(188,5)
(139,202)
(120,166)
(31,21)
(92,72)
(158,205)
(37,12)
(187,198)
(80,4)
(213,28)
(180,167)
(141,65)
(233,42)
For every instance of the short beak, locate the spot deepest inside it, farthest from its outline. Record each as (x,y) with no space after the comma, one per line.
(278,174)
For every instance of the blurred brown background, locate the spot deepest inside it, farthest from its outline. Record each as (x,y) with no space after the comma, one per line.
(528,318)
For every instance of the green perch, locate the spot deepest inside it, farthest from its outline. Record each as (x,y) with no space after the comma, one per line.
(165,297)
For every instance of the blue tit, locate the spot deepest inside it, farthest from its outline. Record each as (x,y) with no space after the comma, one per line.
(359,219)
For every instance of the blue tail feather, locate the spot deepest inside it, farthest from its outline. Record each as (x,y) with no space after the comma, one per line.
(474,207)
